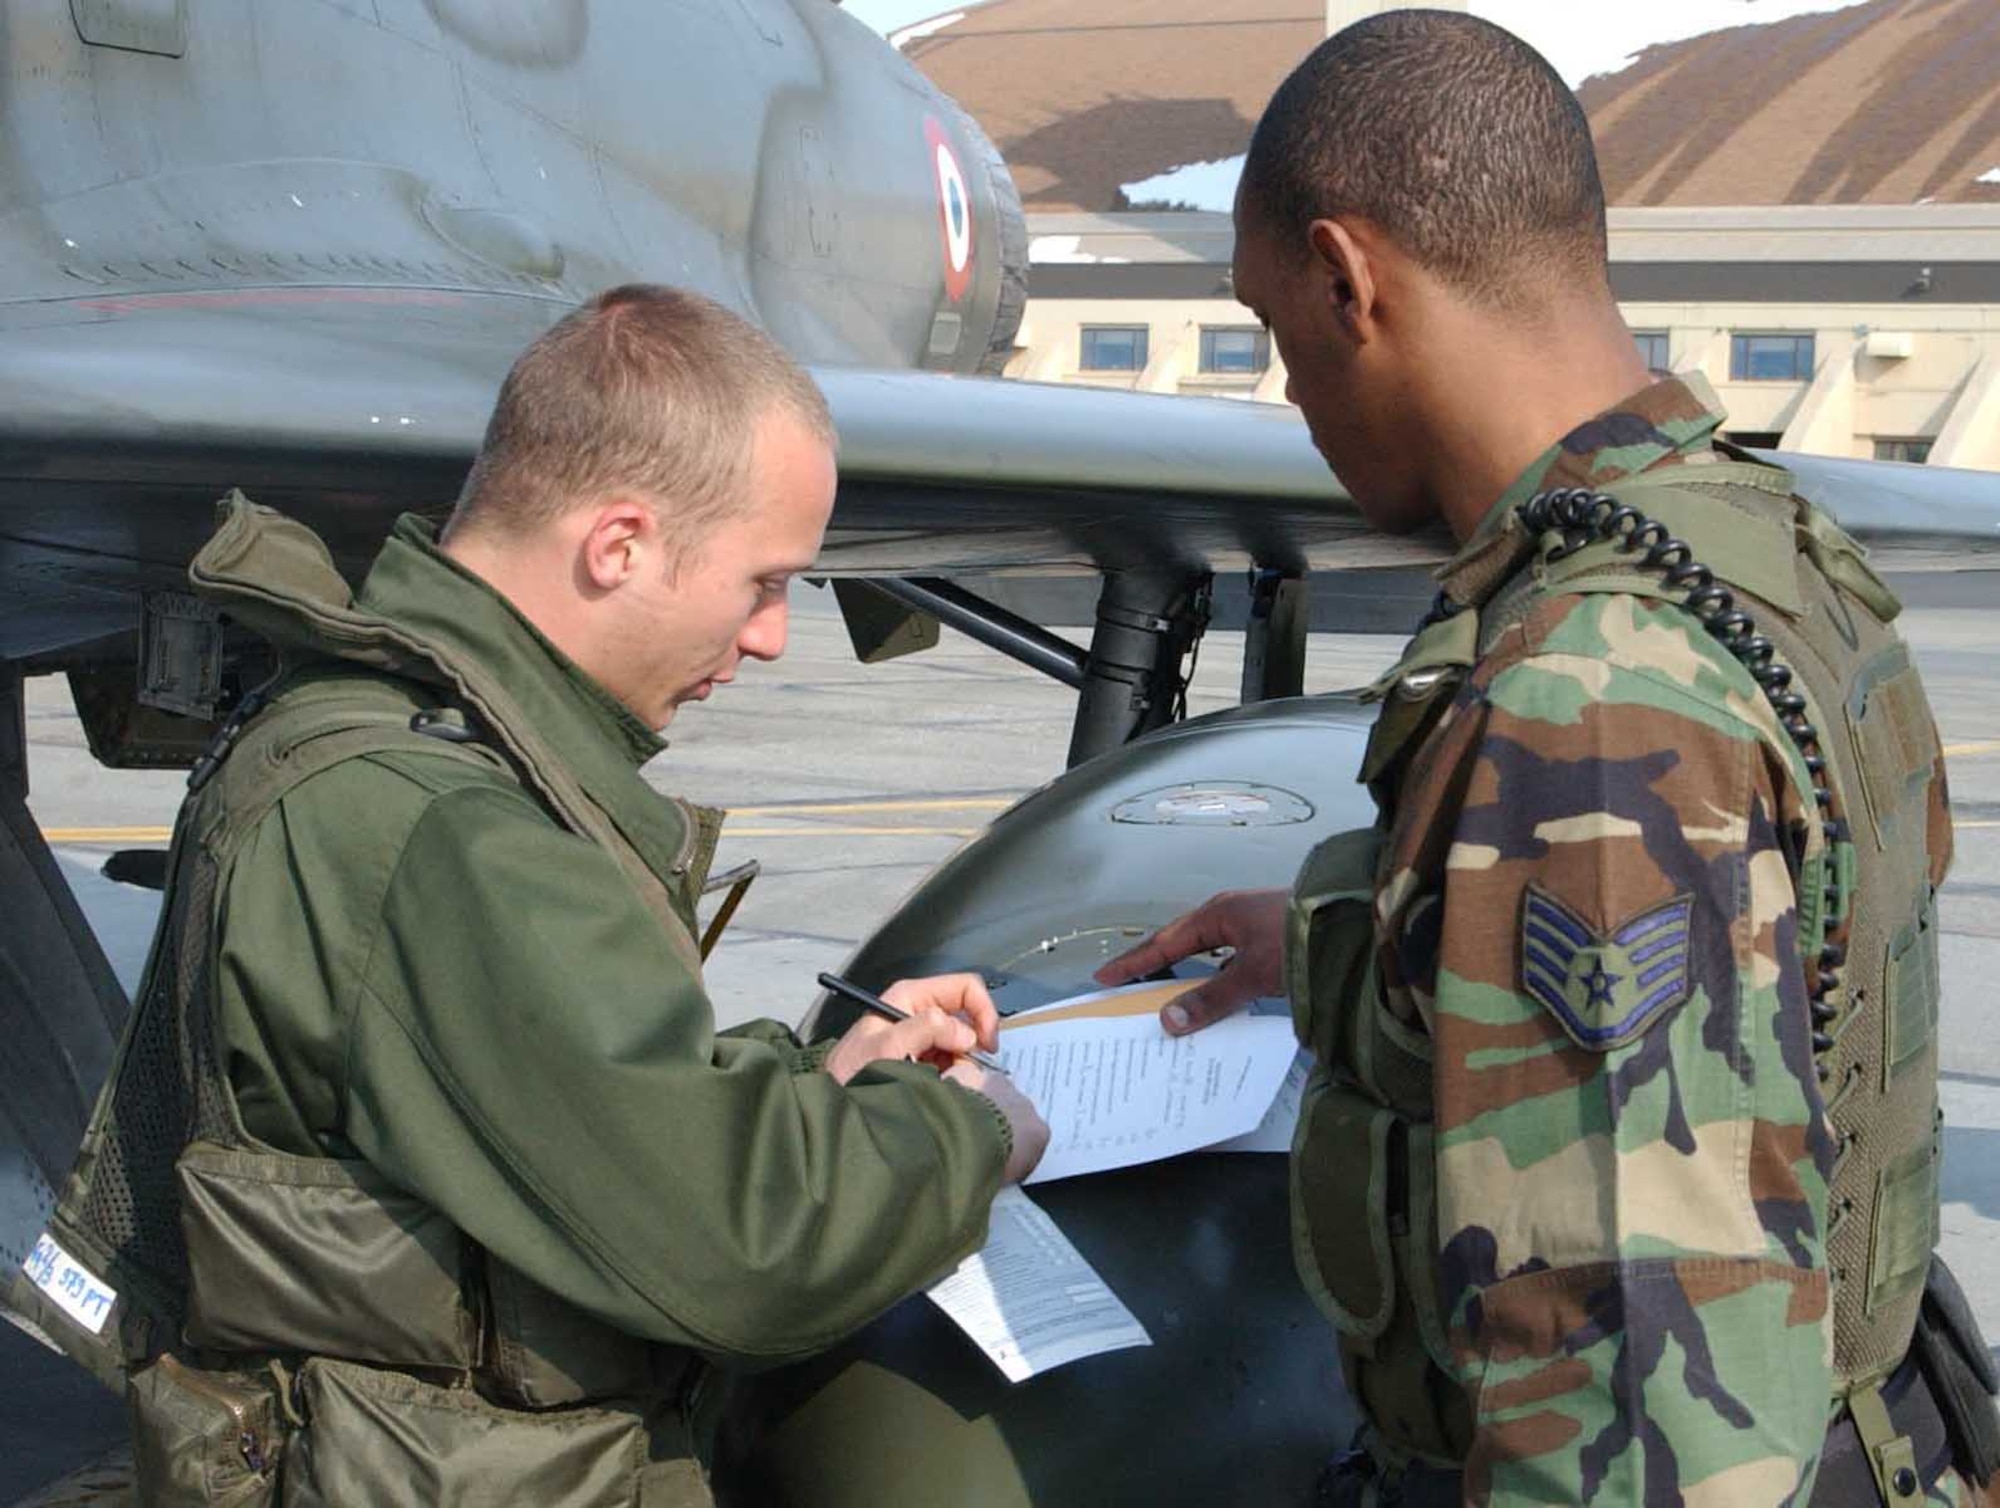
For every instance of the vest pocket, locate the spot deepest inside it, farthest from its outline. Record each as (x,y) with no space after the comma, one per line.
(1889,720)
(1910,993)
(382,1437)
(1330,941)
(1354,1238)
(1906,1225)
(546,1352)
(202,1437)
(1340,1201)
(307,1254)
(1417,1247)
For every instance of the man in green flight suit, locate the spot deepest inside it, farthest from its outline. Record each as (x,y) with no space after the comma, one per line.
(1618,1172)
(425,1175)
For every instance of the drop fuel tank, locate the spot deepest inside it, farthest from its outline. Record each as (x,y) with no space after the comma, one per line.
(1238,1399)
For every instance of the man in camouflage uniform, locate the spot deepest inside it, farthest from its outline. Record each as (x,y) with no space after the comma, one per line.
(1607,1122)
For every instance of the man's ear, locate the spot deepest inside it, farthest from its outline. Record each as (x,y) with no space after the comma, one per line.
(1349,275)
(620,539)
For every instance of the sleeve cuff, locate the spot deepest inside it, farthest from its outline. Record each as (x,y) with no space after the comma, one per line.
(885,1070)
(1000,1119)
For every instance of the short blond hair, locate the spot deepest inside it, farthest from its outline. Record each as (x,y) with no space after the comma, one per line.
(645,388)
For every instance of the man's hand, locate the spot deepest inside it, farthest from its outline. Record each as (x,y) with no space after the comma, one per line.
(1031,1132)
(1250,921)
(950,1014)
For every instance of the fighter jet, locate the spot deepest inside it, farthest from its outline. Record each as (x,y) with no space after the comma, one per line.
(293,249)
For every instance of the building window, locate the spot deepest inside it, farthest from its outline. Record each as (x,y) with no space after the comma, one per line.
(1770,358)
(1915,451)
(1652,349)
(1114,348)
(1234,352)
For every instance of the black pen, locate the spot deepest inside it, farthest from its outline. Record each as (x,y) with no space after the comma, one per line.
(881,1007)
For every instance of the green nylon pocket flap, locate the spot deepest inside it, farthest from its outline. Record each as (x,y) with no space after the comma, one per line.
(1844,562)
(311,1254)
(1889,719)
(1906,1226)
(1910,993)
(382,1437)
(1330,938)
(1340,1196)
(1417,1249)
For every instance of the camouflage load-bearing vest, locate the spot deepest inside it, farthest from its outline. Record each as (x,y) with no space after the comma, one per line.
(293,1329)
(1365,1157)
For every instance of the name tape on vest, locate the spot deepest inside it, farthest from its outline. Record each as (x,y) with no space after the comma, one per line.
(74,1288)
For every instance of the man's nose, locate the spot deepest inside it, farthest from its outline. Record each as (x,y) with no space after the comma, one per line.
(763,637)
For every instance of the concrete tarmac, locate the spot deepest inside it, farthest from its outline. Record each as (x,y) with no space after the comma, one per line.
(850,783)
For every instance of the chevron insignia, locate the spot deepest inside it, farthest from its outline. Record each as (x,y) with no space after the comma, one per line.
(1605,989)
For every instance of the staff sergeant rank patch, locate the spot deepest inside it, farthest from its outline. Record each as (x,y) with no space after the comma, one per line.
(1605,990)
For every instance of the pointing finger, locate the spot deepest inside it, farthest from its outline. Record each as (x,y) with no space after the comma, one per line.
(1221,995)
(1195,932)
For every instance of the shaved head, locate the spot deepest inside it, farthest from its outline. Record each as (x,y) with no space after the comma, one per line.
(1452,137)
(648,389)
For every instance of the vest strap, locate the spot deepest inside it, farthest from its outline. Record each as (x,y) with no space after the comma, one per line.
(311,606)
(1891,1455)
(1412,694)
(1753,550)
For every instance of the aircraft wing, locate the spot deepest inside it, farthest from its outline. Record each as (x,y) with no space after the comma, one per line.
(123,418)
(353,403)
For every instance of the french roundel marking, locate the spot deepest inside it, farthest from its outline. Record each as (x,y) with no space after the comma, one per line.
(954,211)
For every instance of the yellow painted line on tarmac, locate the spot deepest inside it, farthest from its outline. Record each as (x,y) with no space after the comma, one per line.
(92,835)
(1963,826)
(848,832)
(887,804)
(1968,751)
(107,834)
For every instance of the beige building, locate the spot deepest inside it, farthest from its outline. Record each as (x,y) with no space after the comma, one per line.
(1840,330)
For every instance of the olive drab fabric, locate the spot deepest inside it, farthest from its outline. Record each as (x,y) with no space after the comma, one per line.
(1631,1233)
(423,1173)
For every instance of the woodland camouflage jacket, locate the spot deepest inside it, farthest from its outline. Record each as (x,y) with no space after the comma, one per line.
(1586,908)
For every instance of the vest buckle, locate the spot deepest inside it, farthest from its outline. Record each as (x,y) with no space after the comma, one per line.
(447,724)
(203,770)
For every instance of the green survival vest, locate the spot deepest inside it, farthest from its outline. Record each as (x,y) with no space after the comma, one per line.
(1364,1158)
(294,1330)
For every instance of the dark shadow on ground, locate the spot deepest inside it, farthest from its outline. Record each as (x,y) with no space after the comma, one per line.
(54,1417)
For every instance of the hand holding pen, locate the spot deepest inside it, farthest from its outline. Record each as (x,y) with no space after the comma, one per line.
(944,1023)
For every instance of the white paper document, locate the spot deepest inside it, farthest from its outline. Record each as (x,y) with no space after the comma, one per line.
(1029,1300)
(1274,1131)
(1117,1090)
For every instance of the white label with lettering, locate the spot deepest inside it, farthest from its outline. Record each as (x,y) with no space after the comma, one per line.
(74,1288)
